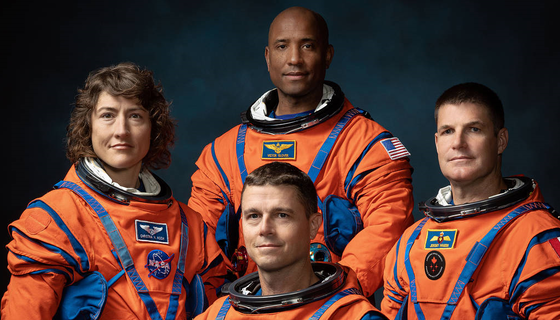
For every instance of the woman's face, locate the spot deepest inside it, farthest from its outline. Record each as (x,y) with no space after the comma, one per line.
(120,133)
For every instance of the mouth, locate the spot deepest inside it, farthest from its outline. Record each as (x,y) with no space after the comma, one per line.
(121,146)
(295,75)
(460,158)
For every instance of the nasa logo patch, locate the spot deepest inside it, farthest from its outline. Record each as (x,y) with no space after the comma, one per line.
(279,150)
(434,265)
(159,264)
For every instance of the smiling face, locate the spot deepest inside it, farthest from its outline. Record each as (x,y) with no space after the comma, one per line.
(275,227)
(468,148)
(298,54)
(120,134)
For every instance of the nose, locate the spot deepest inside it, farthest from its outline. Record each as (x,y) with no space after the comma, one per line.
(295,56)
(121,126)
(459,140)
(267,226)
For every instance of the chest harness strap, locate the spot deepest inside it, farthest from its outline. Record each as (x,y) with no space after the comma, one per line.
(126,259)
(473,258)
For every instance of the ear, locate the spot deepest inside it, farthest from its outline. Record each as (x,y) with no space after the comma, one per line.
(267,58)
(503,138)
(329,55)
(435,140)
(315,222)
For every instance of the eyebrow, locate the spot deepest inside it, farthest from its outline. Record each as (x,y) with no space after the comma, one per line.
(447,126)
(301,40)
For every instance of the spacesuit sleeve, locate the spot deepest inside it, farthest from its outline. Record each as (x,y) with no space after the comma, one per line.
(383,195)
(395,290)
(534,289)
(42,261)
(33,296)
(208,189)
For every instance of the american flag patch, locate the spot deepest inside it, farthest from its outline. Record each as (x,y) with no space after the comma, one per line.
(394,147)
(555,243)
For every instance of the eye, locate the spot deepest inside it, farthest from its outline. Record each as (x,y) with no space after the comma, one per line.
(307,46)
(282,215)
(281,46)
(253,216)
(106,115)
(475,129)
(136,116)
(446,131)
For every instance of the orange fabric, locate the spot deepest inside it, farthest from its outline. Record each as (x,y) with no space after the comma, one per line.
(384,194)
(353,306)
(38,296)
(494,273)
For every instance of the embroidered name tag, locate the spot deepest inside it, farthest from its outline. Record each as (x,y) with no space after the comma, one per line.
(394,147)
(279,150)
(440,239)
(151,232)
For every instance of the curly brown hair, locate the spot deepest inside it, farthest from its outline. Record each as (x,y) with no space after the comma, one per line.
(126,80)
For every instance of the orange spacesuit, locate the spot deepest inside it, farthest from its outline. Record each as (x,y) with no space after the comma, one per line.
(337,296)
(492,259)
(138,257)
(361,173)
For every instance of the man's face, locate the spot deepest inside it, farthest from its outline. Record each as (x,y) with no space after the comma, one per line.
(275,227)
(297,55)
(468,150)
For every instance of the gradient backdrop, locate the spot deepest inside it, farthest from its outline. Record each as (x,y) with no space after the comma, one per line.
(392,58)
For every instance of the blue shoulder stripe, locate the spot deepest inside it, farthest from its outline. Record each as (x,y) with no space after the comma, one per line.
(530,309)
(395,275)
(219,167)
(348,183)
(67,257)
(538,239)
(76,246)
(395,299)
(57,271)
(521,287)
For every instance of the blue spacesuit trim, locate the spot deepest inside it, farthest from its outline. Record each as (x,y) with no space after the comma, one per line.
(223,310)
(524,285)
(332,300)
(126,259)
(226,181)
(395,299)
(325,150)
(538,239)
(530,309)
(350,182)
(57,271)
(473,258)
(240,150)
(410,271)
(76,246)
(395,275)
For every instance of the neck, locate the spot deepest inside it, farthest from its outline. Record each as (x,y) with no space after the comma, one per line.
(477,190)
(127,178)
(287,280)
(292,105)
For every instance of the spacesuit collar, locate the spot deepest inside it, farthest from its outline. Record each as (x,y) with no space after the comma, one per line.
(441,207)
(150,183)
(91,172)
(261,111)
(258,114)
(242,291)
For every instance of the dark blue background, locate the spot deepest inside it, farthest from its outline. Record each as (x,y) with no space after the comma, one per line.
(392,58)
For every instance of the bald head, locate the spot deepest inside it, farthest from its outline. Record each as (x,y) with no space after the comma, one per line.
(298,15)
